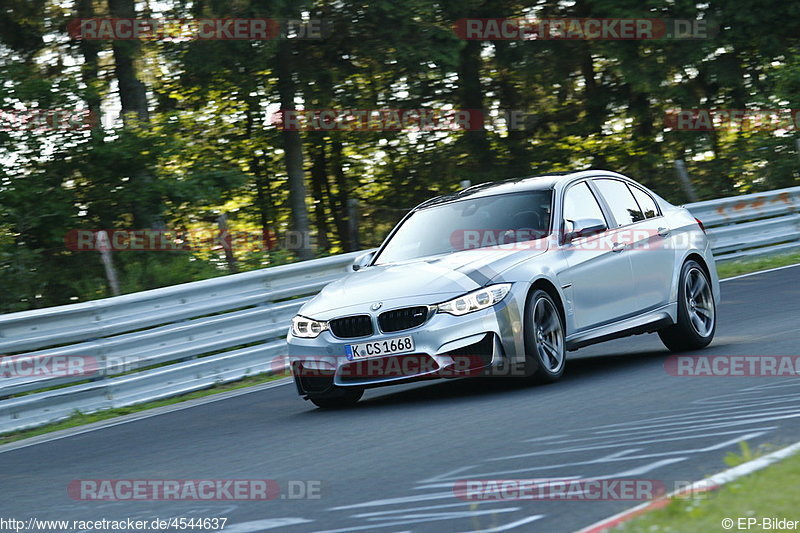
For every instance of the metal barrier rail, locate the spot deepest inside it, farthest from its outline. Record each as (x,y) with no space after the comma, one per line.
(164,342)
(152,344)
(752,225)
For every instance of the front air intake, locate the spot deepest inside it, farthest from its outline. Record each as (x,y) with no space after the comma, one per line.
(349,327)
(400,319)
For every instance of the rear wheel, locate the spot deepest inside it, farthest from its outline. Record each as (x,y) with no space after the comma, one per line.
(545,352)
(697,316)
(338,398)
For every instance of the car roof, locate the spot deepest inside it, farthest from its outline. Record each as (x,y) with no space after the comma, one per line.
(536,182)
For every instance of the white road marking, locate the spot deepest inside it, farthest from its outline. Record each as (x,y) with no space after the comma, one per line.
(737,399)
(603,459)
(446,475)
(641,470)
(267,523)
(426,508)
(720,424)
(510,526)
(636,471)
(401,499)
(669,431)
(445,516)
(760,419)
(774,384)
(709,419)
(653,441)
(711,448)
(694,411)
(732,398)
(546,438)
(489,475)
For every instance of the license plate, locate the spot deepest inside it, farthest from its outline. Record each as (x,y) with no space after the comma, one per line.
(378,348)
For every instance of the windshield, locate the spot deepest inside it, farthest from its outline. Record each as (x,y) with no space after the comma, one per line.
(469,224)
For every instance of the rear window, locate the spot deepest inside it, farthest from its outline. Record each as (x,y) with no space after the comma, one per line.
(620,200)
(646,202)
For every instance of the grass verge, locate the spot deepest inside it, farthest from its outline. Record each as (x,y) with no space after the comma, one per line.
(745,266)
(769,493)
(727,270)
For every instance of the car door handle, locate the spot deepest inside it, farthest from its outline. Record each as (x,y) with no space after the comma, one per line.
(617,247)
(663,231)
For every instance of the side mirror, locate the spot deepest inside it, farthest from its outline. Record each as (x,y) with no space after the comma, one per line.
(583,227)
(363,260)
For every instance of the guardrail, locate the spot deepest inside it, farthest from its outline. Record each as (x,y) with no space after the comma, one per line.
(164,342)
(752,225)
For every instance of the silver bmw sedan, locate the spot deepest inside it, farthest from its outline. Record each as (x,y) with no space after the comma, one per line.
(502,279)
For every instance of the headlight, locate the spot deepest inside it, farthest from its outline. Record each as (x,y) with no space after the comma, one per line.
(307,328)
(476,300)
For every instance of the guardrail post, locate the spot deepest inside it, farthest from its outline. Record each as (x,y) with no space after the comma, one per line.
(680,167)
(227,242)
(104,246)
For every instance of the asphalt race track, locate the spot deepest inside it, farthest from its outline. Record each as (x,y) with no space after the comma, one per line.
(391,463)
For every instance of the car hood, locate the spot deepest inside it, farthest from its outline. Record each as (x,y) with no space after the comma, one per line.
(423,281)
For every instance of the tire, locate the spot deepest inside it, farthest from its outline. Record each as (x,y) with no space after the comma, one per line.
(339,398)
(697,313)
(545,349)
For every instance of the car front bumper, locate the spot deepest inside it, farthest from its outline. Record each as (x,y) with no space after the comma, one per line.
(444,346)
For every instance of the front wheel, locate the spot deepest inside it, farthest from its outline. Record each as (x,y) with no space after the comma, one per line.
(545,352)
(697,314)
(338,398)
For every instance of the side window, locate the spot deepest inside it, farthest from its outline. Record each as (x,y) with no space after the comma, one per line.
(646,202)
(620,200)
(579,202)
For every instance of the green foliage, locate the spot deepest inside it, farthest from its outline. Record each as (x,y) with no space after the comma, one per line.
(747,453)
(759,495)
(209,145)
(734,459)
(151,270)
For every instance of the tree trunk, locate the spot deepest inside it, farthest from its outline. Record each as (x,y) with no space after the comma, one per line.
(471,98)
(319,175)
(258,169)
(340,216)
(146,205)
(293,147)
(132,92)
(520,129)
(90,50)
